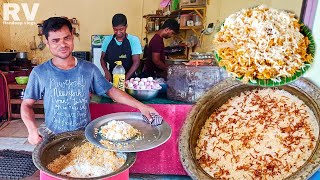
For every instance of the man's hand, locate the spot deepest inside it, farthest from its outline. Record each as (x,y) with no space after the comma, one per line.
(124,98)
(27,115)
(108,76)
(147,110)
(34,138)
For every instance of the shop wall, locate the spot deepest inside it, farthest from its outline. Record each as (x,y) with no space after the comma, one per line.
(227,7)
(94,18)
(148,7)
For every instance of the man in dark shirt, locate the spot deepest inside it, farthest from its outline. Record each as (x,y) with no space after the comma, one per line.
(155,64)
(120,47)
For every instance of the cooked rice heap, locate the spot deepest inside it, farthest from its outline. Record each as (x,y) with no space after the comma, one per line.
(118,131)
(87,161)
(261,134)
(267,43)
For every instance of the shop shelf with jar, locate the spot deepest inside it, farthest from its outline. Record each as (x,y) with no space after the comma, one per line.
(191,18)
(154,21)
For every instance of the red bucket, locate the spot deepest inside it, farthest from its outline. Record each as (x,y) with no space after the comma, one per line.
(48,150)
(121,176)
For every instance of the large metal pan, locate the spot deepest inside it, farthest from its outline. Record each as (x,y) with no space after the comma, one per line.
(61,144)
(217,96)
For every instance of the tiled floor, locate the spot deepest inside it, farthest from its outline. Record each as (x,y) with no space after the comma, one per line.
(15,128)
(13,135)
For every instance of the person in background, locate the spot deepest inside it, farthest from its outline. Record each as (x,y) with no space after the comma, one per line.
(120,47)
(65,84)
(155,64)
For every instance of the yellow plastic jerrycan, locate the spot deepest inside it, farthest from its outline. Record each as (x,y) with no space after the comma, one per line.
(119,76)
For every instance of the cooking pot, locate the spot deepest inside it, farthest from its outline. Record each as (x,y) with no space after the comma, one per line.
(61,144)
(22,55)
(216,97)
(7,56)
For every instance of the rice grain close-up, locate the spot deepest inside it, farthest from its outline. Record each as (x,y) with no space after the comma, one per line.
(264,134)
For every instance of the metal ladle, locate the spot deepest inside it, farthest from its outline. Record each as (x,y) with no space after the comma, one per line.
(33,45)
(41,45)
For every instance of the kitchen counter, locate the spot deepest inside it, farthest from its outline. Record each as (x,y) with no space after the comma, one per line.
(160,99)
(165,158)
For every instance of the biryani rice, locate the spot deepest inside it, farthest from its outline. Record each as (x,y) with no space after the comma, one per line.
(268,44)
(265,134)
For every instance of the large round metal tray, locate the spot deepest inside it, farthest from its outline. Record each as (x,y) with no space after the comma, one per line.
(217,96)
(152,136)
(61,144)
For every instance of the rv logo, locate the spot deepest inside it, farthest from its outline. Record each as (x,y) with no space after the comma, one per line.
(11,13)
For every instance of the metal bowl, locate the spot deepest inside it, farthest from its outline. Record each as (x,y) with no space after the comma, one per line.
(61,144)
(22,55)
(144,94)
(216,97)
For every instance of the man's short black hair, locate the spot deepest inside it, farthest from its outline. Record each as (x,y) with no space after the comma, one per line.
(171,24)
(54,24)
(119,19)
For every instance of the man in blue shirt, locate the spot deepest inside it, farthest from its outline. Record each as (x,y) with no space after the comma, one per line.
(65,84)
(120,47)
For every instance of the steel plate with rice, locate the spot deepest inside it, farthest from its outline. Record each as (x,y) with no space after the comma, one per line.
(148,137)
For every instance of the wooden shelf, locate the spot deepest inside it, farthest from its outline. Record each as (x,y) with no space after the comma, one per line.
(17,86)
(191,27)
(186,10)
(151,16)
(176,13)
(36,116)
(195,29)
(200,11)
(17,101)
(151,31)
